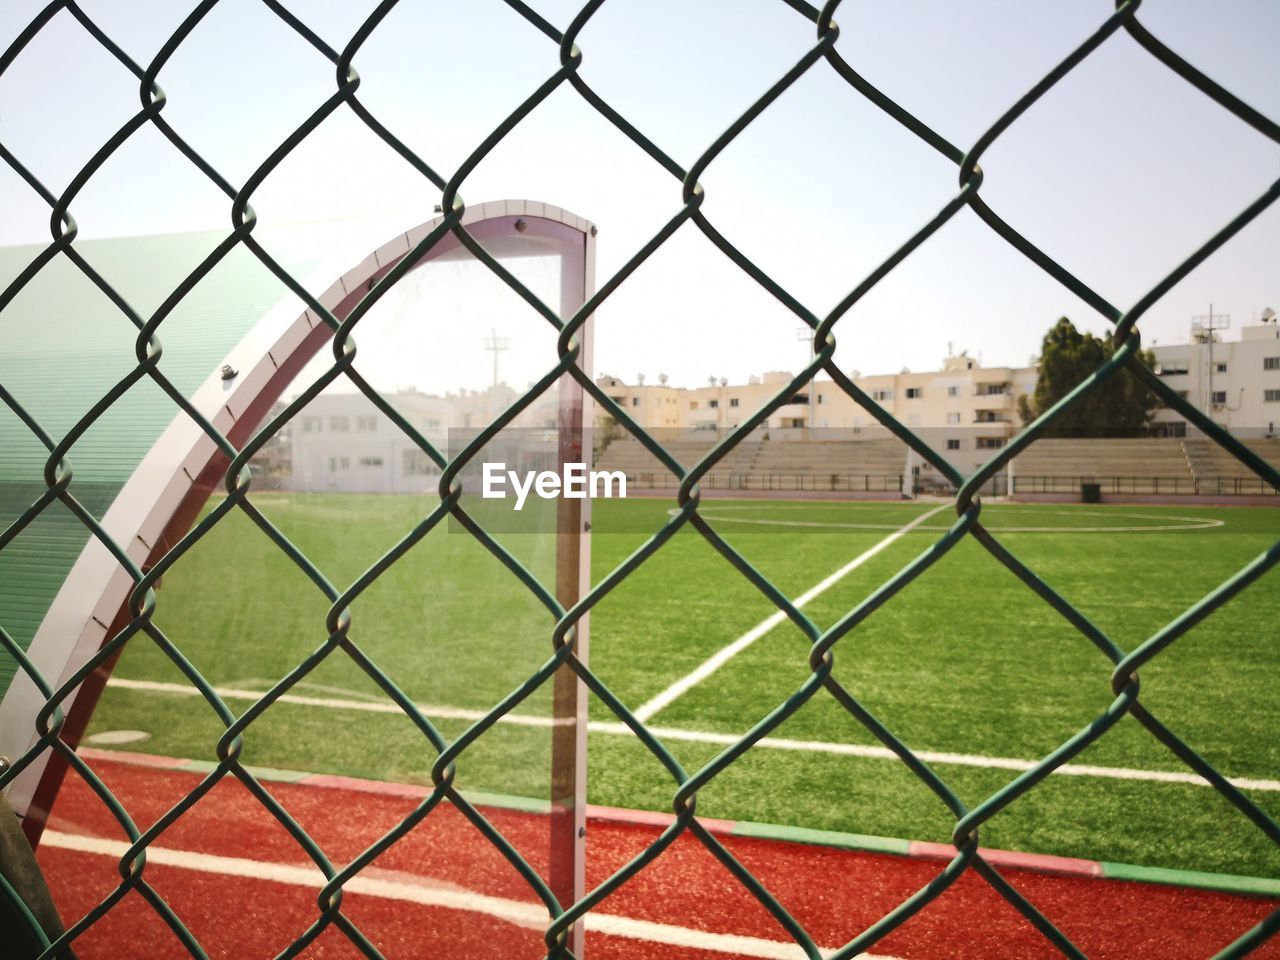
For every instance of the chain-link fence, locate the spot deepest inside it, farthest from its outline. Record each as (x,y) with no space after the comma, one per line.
(60,491)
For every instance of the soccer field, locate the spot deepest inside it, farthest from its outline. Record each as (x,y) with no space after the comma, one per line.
(966,665)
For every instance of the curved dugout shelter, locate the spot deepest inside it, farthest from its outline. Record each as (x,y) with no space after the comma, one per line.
(144,468)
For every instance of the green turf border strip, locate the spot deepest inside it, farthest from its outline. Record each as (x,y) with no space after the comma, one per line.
(864,843)
(1225,882)
(823,838)
(261,773)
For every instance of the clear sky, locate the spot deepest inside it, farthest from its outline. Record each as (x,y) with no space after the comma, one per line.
(1119,172)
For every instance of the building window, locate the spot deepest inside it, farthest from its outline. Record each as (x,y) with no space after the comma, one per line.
(820,396)
(1219,397)
(915,393)
(366,424)
(370,461)
(953,444)
(1220,368)
(733,401)
(953,417)
(635,401)
(990,443)
(693,404)
(1171,368)
(953,391)
(415,463)
(879,395)
(311,424)
(1271,363)
(339,463)
(713,404)
(1271,396)
(339,424)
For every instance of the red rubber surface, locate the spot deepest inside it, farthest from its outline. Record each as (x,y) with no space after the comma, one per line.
(833,893)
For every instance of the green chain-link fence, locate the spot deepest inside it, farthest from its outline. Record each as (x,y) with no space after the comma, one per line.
(60,487)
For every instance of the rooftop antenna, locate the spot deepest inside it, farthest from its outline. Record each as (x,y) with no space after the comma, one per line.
(807,333)
(1208,324)
(496,345)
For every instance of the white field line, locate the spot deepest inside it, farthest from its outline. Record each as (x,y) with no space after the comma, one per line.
(1183,523)
(336,703)
(727,653)
(427,893)
(616,728)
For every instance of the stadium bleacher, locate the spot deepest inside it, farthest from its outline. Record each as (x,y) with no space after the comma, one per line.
(857,466)
(1144,465)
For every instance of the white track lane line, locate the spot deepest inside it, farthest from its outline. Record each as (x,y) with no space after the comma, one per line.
(727,653)
(427,893)
(614,728)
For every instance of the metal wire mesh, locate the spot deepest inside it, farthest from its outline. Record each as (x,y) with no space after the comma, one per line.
(60,487)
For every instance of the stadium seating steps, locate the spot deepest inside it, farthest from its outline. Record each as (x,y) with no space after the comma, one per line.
(1193,465)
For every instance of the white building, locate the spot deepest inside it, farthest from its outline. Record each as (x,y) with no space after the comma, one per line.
(1236,382)
(343,443)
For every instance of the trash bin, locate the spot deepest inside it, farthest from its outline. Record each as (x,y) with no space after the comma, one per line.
(1091,493)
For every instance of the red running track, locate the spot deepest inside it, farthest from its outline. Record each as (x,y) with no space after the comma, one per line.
(835,893)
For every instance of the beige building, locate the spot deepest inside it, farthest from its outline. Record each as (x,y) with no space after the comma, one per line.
(964,408)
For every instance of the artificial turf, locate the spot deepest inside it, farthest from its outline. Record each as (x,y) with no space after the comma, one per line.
(965,659)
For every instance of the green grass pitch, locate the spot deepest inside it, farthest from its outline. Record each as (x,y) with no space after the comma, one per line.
(965,660)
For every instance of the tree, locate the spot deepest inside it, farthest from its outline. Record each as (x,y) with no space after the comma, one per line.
(1120,407)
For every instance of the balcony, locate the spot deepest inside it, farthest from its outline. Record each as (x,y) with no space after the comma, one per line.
(993,401)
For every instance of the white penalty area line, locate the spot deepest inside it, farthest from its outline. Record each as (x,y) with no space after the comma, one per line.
(727,653)
(616,728)
(448,896)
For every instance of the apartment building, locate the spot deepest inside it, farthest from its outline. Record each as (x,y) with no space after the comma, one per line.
(1236,382)
(962,407)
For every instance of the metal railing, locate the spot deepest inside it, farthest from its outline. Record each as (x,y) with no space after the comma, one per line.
(1189,486)
(762,482)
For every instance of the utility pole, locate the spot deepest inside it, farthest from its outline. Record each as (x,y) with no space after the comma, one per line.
(1210,323)
(496,345)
